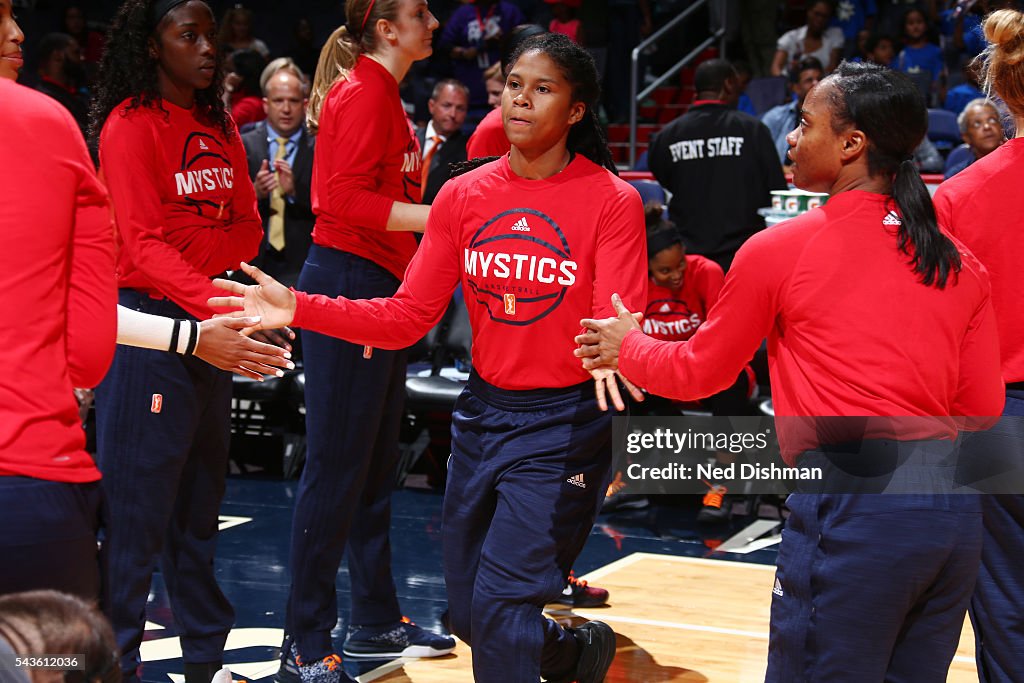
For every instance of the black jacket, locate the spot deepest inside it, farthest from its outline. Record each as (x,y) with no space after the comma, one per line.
(720,166)
(452,150)
(298,215)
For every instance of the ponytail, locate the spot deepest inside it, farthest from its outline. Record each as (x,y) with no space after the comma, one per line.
(337,57)
(932,254)
(888,107)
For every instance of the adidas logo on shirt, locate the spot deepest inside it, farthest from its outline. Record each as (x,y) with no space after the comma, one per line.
(778,587)
(202,145)
(577,480)
(891,219)
(665,308)
(521,225)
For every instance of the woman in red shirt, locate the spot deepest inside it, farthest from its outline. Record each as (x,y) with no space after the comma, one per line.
(536,237)
(982,206)
(880,335)
(365,194)
(185,211)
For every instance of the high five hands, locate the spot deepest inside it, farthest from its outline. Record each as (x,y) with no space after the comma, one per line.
(268,300)
(599,349)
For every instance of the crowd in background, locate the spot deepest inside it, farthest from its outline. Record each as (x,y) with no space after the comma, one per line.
(929,40)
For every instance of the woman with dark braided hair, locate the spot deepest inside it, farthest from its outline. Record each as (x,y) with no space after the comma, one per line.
(538,238)
(881,339)
(185,211)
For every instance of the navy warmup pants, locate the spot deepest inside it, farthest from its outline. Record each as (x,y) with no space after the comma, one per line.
(164,462)
(997,607)
(528,472)
(353,415)
(873,587)
(49,536)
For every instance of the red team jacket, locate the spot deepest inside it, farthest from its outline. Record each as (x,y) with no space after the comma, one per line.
(369,158)
(533,257)
(851,331)
(982,206)
(57,288)
(185,207)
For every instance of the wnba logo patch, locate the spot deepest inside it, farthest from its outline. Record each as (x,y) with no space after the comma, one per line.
(156,404)
(520,271)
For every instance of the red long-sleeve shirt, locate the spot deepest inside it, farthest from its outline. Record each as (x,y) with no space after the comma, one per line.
(367,158)
(674,315)
(489,139)
(851,331)
(533,256)
(56,288)
(184,204)
(982,205)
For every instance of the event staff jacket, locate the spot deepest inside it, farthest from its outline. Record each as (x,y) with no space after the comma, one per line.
(720,166)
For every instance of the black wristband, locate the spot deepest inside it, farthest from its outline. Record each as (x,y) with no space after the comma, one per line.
(190,348)
(175,331)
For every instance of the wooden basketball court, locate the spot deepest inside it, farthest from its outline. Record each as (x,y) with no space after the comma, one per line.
(677,619)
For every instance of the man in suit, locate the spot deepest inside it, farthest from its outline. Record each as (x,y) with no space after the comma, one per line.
(280,154)
(442,140)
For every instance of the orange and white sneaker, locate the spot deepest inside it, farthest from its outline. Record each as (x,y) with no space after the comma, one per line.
(578,593)
(715,506)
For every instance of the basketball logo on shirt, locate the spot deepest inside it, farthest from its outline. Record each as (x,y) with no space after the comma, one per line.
(670,320)
(206,178)
(519,277)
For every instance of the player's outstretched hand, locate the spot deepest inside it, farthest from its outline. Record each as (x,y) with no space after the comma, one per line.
(599,346)
(222,345)
(268,300)
(605,385)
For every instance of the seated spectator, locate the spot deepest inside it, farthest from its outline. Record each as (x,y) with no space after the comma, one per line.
(921,58)
(853,17)
(236,32)
(242,87)
(564,19)
(880,49)
(744,76)
(959,96)
(781,120)
(473,36)
(814,39)
(62,75)
(981,131)
(927,157)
